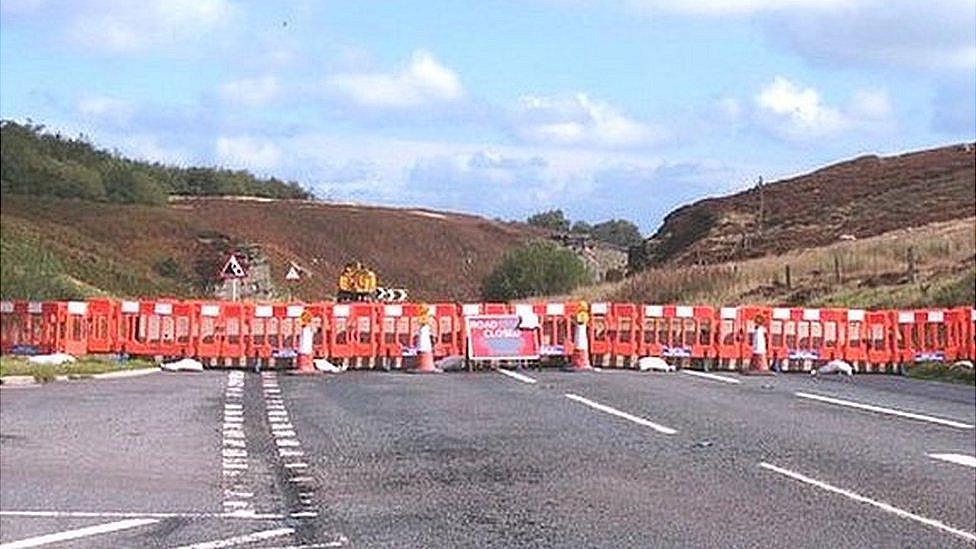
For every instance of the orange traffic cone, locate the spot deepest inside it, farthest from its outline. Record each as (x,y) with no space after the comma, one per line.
(304,362)
(425,353)
(580,359)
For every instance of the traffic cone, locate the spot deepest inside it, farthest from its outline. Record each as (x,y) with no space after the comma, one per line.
(425,352)
(304,362)
(580,359)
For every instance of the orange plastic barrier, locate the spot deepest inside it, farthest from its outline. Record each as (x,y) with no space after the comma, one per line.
(364,334)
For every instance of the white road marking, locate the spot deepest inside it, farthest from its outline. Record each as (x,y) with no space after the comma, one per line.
(879,504)
(289,442)
(515,375)
(613,411)
(78,533)
(324,545)
(287,452)
(960,459)
(304,514)
(124,514)
(881,410)
(241,540)
(707,375)
(296,465)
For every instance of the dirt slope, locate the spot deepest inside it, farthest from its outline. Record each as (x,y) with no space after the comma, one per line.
(863,197)
(131,250)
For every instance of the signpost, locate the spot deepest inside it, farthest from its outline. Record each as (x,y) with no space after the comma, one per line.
(234,271)
(294,275)
(500,337)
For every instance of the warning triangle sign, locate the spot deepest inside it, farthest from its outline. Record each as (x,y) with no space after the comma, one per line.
(293,273)
(233,268)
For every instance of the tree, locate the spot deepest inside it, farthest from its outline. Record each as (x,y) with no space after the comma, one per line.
(581,227)
(618,231)
(553,220)
(538,268)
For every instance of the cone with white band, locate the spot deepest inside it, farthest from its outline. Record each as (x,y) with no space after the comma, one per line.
(580,359)
(304,360)
(425,345)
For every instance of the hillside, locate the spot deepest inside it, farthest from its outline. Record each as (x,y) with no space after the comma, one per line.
(53,247)
(39,163)
(870,272)
(859,198)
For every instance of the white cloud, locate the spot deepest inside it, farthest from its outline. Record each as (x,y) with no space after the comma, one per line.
(801,113)
(248,152)
(121,26)
(250,92)
(423,81)
(579,120)
(109,109)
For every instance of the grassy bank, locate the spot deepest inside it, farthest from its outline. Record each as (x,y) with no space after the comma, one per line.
(17,366)
(943,372)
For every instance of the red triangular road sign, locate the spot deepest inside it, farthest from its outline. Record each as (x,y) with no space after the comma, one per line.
(293,273)
(233,268)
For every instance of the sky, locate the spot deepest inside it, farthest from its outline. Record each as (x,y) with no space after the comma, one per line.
(606,109)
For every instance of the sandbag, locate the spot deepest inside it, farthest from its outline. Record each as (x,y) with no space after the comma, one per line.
(55,359)
(182,365)
(654,363)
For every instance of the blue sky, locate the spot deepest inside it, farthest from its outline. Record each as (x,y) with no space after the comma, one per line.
(612,109)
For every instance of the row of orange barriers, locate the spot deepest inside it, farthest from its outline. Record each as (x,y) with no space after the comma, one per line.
(368,334)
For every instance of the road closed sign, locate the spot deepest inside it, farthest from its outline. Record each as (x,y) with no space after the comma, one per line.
(500,337)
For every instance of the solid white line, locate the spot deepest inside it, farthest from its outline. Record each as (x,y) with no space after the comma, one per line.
(881,410)
(618,413)
(241,540)
(960,459)
(879,504)
(711,376)
(121,514)
(78,533)
(515,375)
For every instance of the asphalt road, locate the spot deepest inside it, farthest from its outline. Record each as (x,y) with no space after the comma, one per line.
(602,459)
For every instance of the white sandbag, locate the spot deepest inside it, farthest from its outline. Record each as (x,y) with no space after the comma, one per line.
(654,363)
(323,365)
(55,359)
(182,365)
(836,366)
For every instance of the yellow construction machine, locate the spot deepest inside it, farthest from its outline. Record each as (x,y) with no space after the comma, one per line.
(356,283)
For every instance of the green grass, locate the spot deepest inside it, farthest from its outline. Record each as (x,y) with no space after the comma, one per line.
(85,366)
(942,372)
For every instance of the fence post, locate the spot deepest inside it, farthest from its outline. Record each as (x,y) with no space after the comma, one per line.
(912,271)
(788,280)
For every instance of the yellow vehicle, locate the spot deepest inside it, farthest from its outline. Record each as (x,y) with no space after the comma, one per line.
(356,283)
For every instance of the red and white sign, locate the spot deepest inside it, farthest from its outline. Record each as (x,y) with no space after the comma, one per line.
(293,273)
(233,268)
(500,337)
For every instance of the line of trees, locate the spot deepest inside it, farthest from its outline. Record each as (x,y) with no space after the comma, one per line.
(614,231)
(34,162)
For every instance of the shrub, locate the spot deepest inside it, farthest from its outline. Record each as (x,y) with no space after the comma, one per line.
(538,268)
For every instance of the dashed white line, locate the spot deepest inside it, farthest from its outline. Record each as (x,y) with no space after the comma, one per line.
(959,459)
(613,411)
(296,465)
(78,533)
(882,410)
(515,375)
(863,499)
(241,540)
(715,377)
